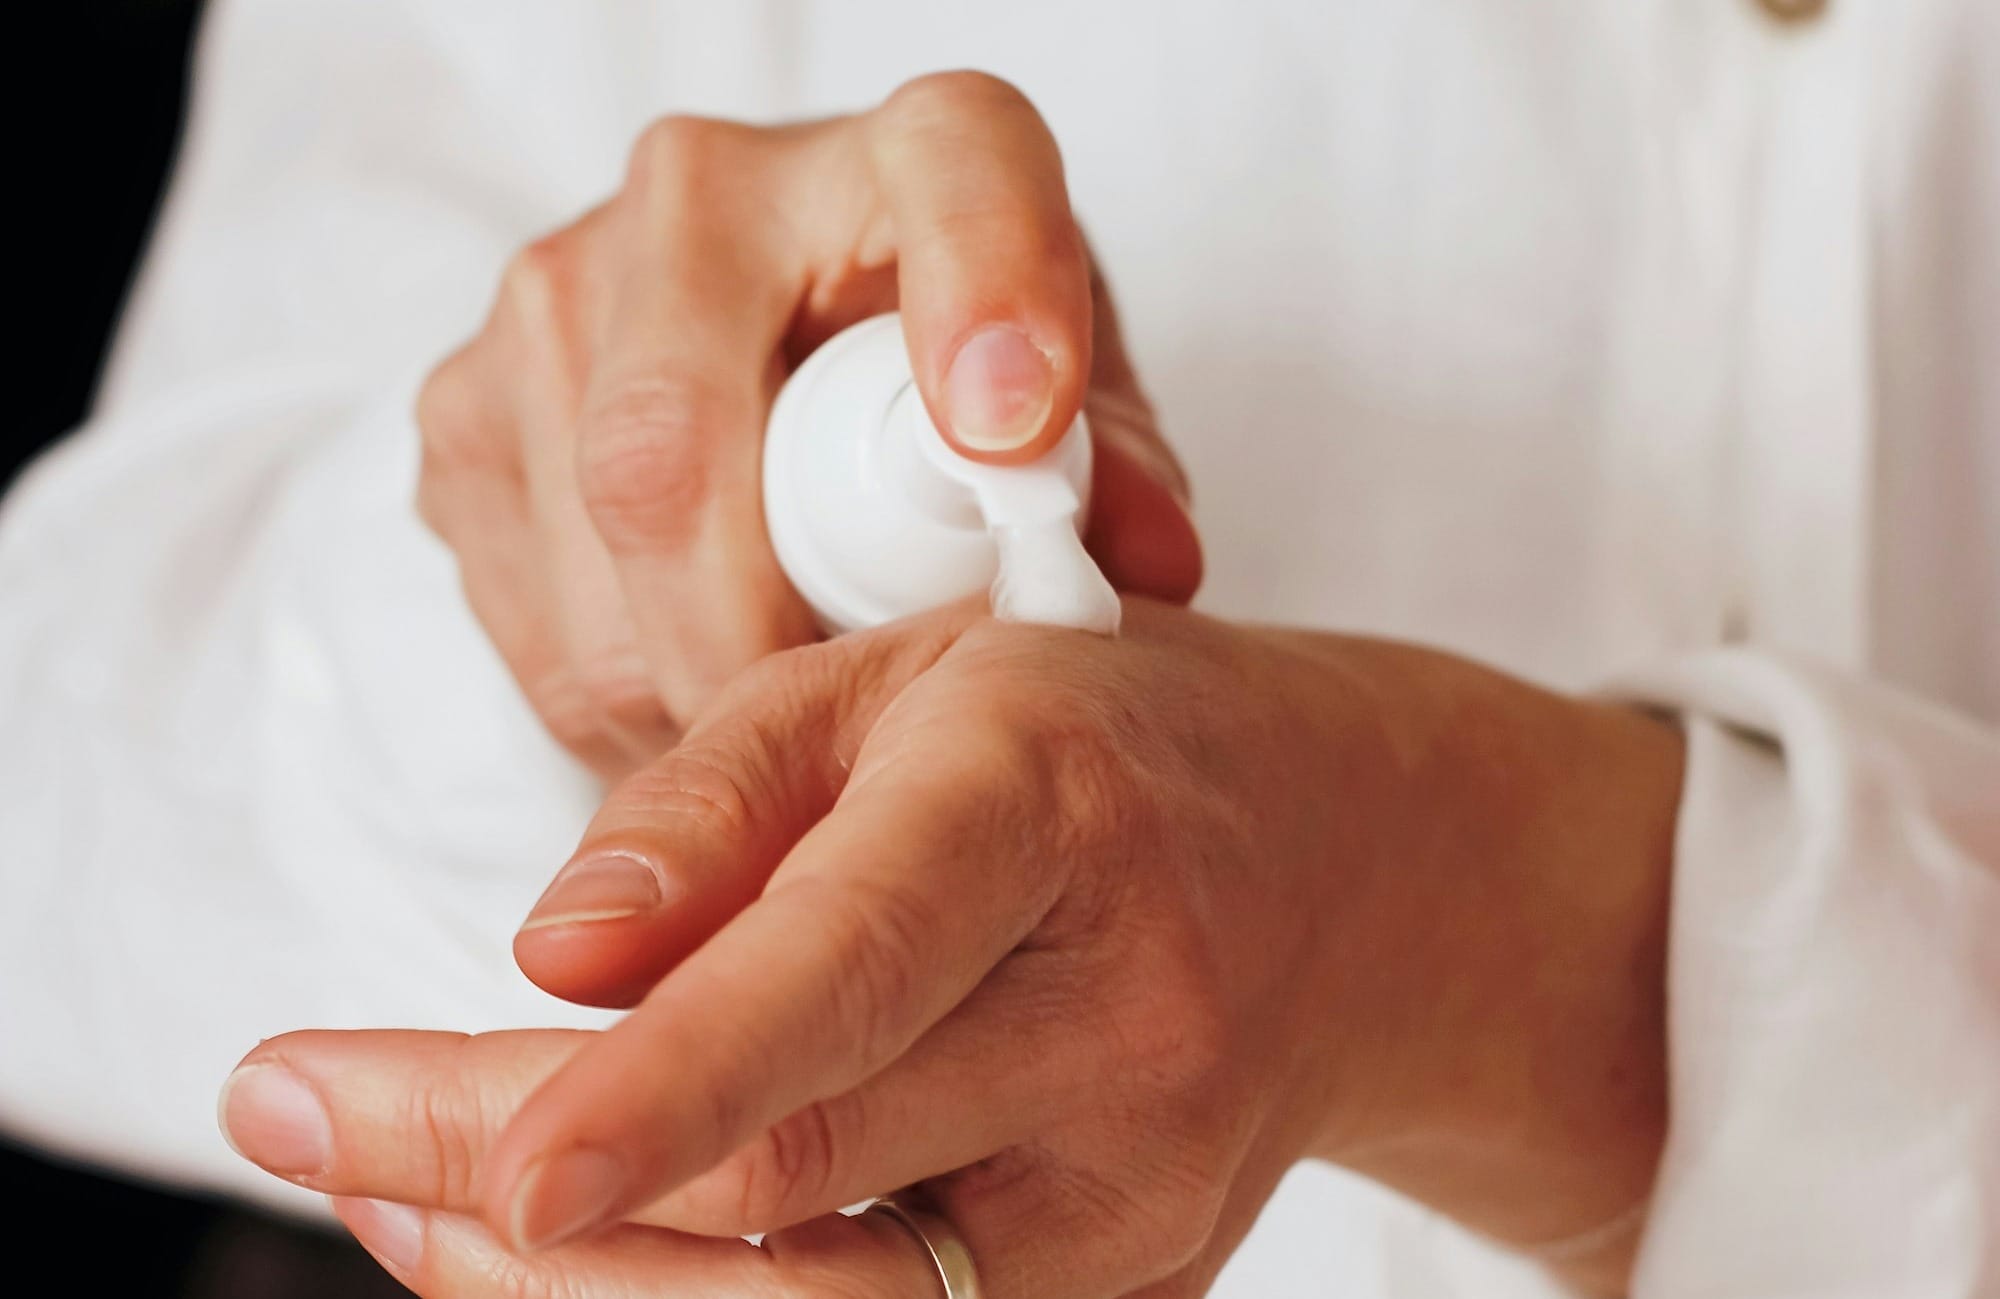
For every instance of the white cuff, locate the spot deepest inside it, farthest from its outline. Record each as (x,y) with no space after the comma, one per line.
(1834,993)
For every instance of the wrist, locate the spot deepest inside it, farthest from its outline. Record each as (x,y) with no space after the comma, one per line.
(1502,918)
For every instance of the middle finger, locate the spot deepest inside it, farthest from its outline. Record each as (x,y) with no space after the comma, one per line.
(670,424)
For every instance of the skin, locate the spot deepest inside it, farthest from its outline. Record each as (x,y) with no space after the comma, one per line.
(1092,938)
(592,456)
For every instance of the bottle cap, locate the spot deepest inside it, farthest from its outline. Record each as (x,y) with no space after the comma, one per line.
(875,517)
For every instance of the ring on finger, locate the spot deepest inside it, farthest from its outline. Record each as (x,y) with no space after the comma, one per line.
(947,1249)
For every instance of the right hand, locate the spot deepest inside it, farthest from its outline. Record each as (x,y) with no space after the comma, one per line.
(593,455)
(1092,937)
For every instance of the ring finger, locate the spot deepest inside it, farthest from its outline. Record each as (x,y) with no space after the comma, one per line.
(1021,1226)
(441,1255)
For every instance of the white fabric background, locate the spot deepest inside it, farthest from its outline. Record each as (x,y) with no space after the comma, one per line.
(1582,338)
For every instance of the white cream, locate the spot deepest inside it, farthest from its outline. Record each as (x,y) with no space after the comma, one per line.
(1046,576)
(875,517)
(1034,514)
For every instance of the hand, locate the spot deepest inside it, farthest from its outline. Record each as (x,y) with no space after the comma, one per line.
(592,457)
(1094,937)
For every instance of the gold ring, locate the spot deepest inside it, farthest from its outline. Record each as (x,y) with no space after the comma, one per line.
(939,1239)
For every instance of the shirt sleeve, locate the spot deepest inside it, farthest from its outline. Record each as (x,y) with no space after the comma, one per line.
(262,770)
(1834,992)
(268,773)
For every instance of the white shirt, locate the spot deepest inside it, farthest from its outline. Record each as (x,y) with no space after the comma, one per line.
(1582,338)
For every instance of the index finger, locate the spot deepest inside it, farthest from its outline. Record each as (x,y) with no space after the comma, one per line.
(882,919)
(993,279)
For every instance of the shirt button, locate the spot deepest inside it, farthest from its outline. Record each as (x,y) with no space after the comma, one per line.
(1793,11)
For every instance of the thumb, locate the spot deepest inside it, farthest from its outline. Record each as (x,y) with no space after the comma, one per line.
(685,843)
(992,275)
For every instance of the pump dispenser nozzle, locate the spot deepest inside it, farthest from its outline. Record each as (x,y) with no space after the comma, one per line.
(874,516)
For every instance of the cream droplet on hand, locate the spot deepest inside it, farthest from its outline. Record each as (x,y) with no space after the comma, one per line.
(1046,576)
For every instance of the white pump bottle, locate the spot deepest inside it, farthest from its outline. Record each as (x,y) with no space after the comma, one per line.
(875,517)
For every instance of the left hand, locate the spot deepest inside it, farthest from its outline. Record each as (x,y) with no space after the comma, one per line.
(592,457)
(1093,937)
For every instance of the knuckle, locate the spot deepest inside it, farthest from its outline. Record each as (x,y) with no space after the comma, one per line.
(445,398)
(446,1121)
(1145,1226)
(682,151)
(539,299)
(619,692)
(433,503)
(1041,249)
(560,705)
(643,462)
(707,786)
(972,110)
(449,418)
(760,685)
(534,273)
(955,94)
(1017,745)
(566,711)
(1057,770)
(1173,1029)
(786,1175)
(572,728)
(773,694)
(777,682)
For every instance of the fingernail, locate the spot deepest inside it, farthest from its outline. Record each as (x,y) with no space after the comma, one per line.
(607,887)
(998,391)
(564,1195)
(274,1119)
(393,1233)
